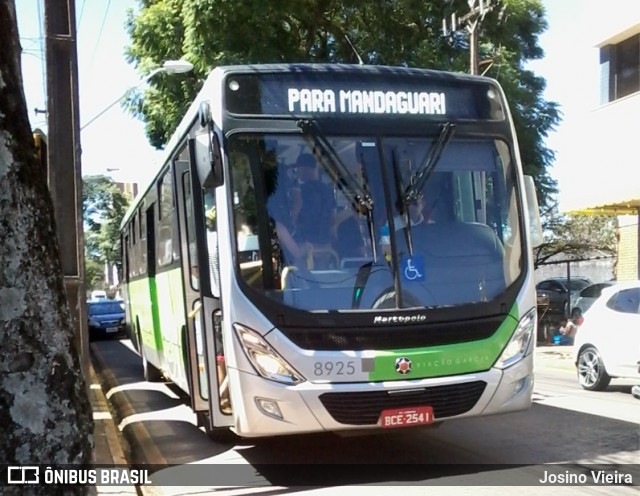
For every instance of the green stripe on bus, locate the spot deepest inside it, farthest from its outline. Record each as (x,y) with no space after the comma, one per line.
(142,305)
(452,359)
(157,332)
(169,296)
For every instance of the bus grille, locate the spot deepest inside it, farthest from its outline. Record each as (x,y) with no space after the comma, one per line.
(391,338)
(365,408)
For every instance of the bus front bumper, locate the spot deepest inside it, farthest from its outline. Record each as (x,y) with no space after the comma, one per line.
(266,408)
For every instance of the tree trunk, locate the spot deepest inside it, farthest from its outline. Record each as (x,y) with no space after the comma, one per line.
(45,414)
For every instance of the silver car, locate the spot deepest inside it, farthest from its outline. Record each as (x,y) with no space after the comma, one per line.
(588,295)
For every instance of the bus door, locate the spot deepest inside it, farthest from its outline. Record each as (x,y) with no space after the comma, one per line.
(202,310)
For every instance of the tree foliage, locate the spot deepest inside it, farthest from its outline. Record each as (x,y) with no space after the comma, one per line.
(93,273)
(576,236)
(209,33)
(45,413)
(103,207)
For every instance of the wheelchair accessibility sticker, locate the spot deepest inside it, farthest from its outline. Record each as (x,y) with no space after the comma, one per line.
(413,268)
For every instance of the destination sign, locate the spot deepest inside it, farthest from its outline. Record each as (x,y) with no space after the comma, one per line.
(305,100)
(343,93)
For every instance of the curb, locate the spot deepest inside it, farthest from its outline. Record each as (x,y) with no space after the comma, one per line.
(135,438)
(108,442)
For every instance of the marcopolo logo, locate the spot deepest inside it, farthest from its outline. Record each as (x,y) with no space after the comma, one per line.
(399,319)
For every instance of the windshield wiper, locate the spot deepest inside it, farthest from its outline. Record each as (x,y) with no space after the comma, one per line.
(336,168)
(404,211)
(421,176)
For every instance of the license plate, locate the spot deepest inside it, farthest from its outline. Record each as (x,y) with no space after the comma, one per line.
(404,417)
(112,329)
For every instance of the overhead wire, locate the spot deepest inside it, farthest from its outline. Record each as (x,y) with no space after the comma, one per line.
(95,48)
(80,16)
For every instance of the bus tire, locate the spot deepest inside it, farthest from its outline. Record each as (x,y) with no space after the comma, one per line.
(149,371)
(223,435)
(135,336)
(185,357)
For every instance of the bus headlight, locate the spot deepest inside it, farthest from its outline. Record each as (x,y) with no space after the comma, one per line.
(264,359)
(518,345)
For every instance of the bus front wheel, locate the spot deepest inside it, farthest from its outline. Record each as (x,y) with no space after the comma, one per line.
(222,435)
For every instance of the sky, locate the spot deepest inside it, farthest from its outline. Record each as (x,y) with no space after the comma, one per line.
(116,140)
(571,69)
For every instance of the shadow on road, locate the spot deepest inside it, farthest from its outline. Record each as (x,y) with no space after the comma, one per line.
(161,430)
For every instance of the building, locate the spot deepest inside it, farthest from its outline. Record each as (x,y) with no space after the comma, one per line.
(129,189)
(607,172)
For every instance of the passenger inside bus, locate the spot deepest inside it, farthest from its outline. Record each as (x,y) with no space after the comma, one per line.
(349,241)
(351,233)
(281,211)
(303,210)
(315,218)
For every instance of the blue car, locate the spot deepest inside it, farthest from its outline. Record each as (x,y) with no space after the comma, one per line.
(106,318)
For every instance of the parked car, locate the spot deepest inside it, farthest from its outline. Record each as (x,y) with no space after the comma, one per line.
(608,342)
(557,290)
(588,295)
(106,318)
(98,294)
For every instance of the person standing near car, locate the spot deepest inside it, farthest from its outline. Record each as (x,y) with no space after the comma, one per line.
(569,327)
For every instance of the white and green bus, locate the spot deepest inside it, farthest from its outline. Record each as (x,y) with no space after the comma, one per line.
(337,247)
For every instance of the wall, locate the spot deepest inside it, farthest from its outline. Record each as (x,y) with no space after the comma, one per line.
(627,252)
(597,270)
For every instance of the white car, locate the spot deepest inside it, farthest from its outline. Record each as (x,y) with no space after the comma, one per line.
(607,343)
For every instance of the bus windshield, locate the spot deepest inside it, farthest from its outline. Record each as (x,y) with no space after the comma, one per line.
(325,223)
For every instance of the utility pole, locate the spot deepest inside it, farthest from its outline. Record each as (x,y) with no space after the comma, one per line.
(471,21)
(64,168)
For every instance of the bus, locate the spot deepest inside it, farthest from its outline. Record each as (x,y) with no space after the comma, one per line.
(336,248)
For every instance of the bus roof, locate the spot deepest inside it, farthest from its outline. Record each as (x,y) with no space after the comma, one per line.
(342,68)
(217,75)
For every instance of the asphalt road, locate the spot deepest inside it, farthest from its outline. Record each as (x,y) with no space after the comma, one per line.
(566,425)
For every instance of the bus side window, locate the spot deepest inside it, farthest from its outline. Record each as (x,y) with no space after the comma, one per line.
(212,241)
(165,234)
(125,257)
(143,241)
(245,216)
(191,231)
(134,246)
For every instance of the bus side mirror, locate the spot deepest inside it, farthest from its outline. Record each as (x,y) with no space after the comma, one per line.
(535,226)
(208,153)
(208,157)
